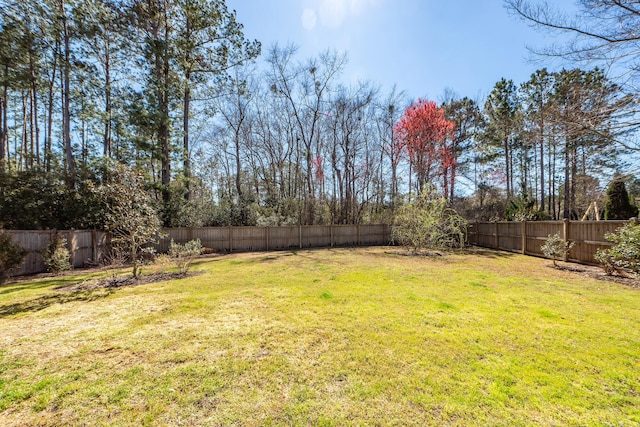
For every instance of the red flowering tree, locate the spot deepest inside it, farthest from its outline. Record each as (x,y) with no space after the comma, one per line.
(423,135)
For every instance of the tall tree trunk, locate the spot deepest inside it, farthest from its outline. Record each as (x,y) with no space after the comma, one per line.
(49,136)
(163,131)
(574,175)
(106,143)
(508,172)
(566,213)
(32,143)
(24,153)
(186,110)
(66,110)
(34,109)
(3,123)
(542,195)
(238,177)
(452,167)
(185,141)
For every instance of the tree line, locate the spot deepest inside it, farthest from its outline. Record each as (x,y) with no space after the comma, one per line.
(229,134)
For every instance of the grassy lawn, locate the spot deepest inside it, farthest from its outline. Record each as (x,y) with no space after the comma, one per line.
(327,337)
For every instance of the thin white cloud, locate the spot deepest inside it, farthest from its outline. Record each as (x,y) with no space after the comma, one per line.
(332,13)
(309,19)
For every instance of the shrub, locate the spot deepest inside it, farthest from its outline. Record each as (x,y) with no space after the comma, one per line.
(626,252)
(429,222)
(556,248)
(183,255)
(130,214)
(11,255)
(56,256)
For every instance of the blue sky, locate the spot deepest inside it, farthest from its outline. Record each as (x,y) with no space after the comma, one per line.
(423,46)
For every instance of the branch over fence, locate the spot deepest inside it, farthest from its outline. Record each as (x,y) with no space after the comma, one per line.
(526,237)
(88,247)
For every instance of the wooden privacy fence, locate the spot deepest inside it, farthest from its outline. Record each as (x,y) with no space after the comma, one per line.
(88,247)
(228,239)
(526,237)
(84,246)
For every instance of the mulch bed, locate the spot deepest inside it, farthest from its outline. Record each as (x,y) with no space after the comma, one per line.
(122,281)
(594,272)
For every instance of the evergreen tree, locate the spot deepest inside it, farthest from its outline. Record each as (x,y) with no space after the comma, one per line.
(618,205)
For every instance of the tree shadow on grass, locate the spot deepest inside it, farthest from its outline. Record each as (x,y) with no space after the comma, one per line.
(487,252)
(46,301)
(46,280)
(467,250)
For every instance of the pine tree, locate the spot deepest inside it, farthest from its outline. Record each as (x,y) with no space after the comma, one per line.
(618,205)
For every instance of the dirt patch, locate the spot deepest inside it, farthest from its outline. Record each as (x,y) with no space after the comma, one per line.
(594,272)
(406,252)
(122,281)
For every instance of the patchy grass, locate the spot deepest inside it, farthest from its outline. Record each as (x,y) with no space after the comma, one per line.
(327,337)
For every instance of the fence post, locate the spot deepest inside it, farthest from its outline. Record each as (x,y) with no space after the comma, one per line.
(497,235)
(565,236)
(230,239)
(72,247)
(300,236)
(94,246)
(477,234)
(357,234)
(266,231)
(331,233)
(523,233)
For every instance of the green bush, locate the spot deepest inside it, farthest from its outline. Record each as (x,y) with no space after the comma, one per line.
(618,205)
(429,222)
(555,248)
(625,255)
(183,255)
(11,255)
(56,256)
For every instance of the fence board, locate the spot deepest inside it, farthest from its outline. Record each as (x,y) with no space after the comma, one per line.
(588,236)
(88,247)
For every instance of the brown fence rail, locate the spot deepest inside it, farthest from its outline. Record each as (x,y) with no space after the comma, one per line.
(527,237)
(88,247)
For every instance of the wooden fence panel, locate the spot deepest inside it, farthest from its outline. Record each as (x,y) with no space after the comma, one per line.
(315,236)
(537,232)
(527,237)
(287,237)
(483,234)
(588,237)
(345,235)
(510,236)
(88,247)
(34,242)
(372,234)
(85,246)
(247,239)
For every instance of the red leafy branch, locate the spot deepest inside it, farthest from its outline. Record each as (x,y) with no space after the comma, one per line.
(424,135)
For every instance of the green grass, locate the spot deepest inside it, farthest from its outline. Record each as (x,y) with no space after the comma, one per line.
(328,337)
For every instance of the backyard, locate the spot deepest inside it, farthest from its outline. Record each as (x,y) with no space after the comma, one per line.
(325,337)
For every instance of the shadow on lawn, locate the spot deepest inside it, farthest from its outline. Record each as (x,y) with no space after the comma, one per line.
(489,253)
(46,280)
(43,302)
